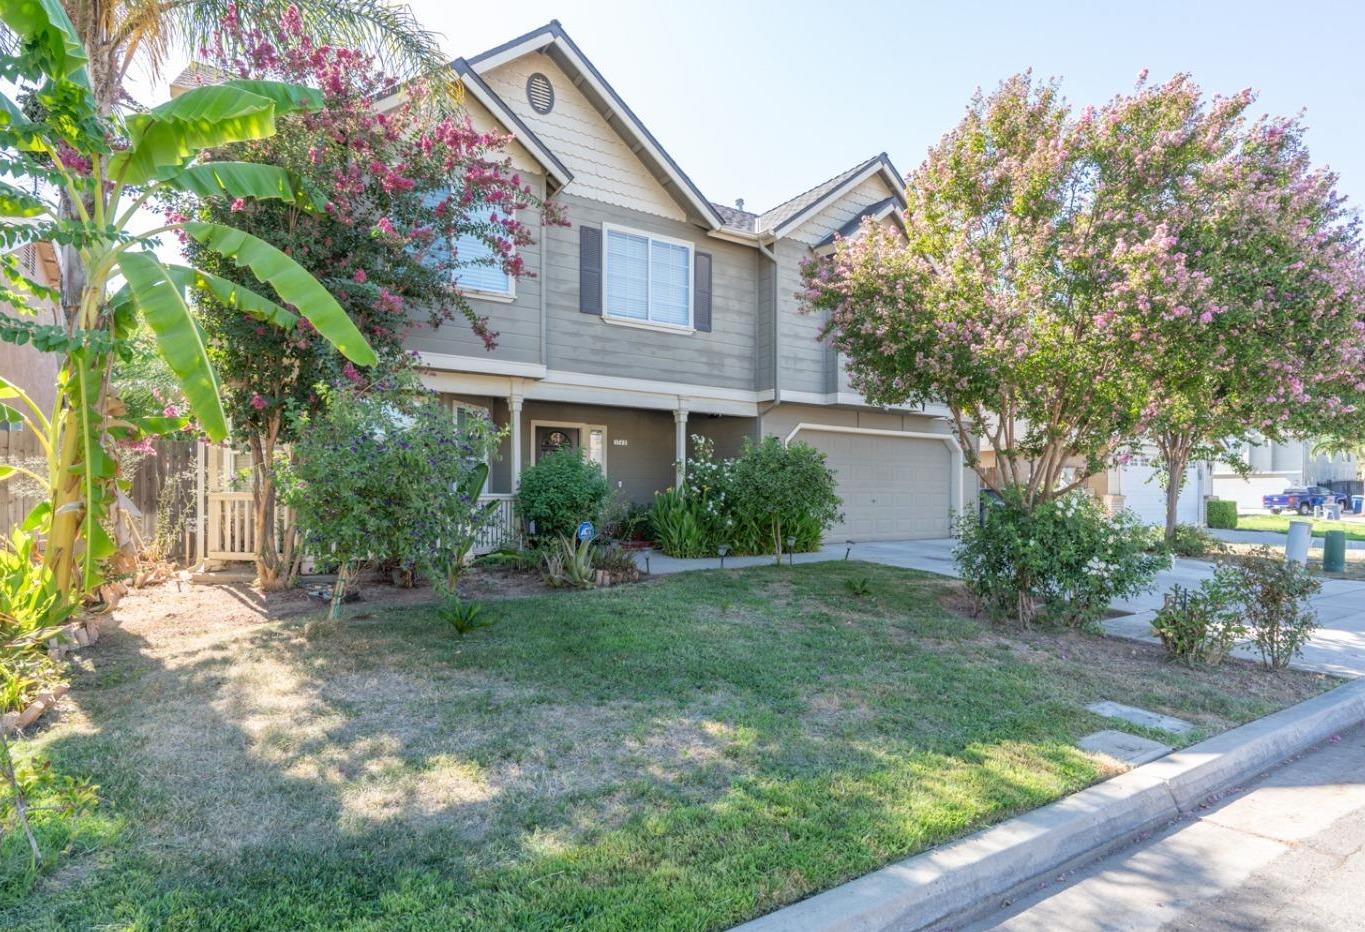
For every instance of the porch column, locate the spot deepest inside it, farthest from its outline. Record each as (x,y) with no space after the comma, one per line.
(680,441)
(514,417)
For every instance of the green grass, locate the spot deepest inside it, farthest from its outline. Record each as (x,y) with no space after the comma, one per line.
(1355,530)
(686,754)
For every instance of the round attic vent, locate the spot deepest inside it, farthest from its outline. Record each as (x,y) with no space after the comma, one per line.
(540,92)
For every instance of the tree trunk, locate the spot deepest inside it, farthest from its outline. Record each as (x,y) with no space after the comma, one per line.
(1175,454)
(272,567)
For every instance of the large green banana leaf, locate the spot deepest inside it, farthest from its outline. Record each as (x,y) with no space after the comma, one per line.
(240,179)
(178,337)
(164,138)
(45,24)
(288,97)
(234,295)
(291,282)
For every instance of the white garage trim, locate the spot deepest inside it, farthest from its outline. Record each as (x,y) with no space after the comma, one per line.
(954,450)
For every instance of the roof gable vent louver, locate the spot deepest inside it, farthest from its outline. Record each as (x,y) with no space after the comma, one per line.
(540,93)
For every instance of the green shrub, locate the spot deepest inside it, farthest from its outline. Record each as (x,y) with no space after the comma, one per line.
(1063,561)
(750,504)
(388,476)
(1270,594)
(783,490)
(559,492)
(1199,626)
(32,610)
(1192,541)
(1221,513)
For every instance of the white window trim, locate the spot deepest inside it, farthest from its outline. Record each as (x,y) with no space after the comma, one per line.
(647,324)
(455,405)
(583,430)
(501,297)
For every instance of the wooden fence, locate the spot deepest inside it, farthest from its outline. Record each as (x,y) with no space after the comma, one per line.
(18,495)
(161,493)
(183,485)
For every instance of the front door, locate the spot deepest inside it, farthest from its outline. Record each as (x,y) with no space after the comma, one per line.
(550,439)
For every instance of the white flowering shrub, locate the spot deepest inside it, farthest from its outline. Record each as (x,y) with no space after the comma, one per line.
(1062,562)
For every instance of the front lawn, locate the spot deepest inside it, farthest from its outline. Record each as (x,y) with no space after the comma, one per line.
(687,753)
(1355,530)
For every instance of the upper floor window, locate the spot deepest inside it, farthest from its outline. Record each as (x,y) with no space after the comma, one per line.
(479,269)
(648,278)
(478,273)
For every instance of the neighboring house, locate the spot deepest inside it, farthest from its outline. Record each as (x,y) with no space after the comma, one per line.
(33,370)
(658,314)
(36,373)
(1135,485)
(1278,466)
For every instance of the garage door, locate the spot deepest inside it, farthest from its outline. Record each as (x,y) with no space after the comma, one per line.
(893,488)
(1146,497)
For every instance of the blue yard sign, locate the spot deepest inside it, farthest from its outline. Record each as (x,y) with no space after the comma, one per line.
(585,531)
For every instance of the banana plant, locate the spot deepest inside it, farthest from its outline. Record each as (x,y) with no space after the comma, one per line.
(82,181)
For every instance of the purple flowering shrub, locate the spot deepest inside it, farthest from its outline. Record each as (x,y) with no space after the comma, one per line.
(387,476)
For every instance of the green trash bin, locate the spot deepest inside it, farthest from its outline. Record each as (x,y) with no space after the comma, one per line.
(1334,552)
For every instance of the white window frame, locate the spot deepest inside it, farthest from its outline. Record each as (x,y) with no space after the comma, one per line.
(505,297)
(647,324)
(455,405)
(584,430)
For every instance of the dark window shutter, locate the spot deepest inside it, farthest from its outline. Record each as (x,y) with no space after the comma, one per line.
(701,288)
(590,270)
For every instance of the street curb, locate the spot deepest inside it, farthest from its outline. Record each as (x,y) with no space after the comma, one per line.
(963,878)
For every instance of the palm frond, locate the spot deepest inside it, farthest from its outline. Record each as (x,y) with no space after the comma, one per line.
(389,31)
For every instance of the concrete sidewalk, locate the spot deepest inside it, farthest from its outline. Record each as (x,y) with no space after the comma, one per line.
(1274,538)
(1286,853)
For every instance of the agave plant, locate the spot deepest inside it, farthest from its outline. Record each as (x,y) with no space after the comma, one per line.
(90,175)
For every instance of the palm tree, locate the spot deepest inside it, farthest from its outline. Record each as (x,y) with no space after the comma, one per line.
(118,33)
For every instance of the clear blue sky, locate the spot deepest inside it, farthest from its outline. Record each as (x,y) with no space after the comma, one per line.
(762,99)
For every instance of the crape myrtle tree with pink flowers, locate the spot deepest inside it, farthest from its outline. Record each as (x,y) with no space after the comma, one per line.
(1071,284)
(400,182)
(1272,344)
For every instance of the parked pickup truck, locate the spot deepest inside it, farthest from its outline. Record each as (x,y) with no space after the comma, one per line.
(1302,500)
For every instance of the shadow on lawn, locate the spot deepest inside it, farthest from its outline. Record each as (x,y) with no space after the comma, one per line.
(304,774)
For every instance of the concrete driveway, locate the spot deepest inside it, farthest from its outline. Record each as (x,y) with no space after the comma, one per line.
(1337,648)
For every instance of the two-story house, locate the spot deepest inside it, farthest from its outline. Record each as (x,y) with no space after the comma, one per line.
(658,315)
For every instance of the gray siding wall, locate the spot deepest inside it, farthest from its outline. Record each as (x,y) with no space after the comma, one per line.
(764,320)
(517,322)
(805,361)
(581,342)
(727,434)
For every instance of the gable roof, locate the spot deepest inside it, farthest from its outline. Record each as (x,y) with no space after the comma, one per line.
(736,219)
(551,40)
(476,86)
(876,211)
(787,216)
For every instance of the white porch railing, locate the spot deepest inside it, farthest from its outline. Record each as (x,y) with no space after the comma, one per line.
(502,529)
(232,526)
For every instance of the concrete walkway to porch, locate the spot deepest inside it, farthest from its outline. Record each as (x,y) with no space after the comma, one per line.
(1337,648)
